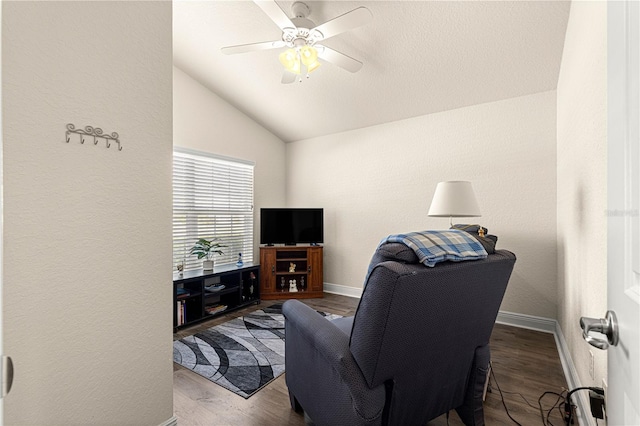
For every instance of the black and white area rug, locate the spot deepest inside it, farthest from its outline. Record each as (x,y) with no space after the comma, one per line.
(242,355)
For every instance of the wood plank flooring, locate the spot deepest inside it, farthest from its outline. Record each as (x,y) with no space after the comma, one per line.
(524,361)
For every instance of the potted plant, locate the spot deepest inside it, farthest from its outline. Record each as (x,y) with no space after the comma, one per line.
(204,248)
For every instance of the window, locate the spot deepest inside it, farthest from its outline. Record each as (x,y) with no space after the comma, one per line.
(212,197)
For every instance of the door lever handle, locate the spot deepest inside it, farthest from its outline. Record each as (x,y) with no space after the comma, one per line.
(607,326)
(7,375)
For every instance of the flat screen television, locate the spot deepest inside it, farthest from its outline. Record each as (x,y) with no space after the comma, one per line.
(291,226)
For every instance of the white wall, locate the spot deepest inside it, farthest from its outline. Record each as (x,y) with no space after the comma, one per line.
(380,180)
(87,230)
(205,122)
(582,181)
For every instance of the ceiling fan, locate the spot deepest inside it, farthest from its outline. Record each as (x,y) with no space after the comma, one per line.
(302,37)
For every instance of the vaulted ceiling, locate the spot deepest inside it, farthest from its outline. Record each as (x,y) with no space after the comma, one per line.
(419,57)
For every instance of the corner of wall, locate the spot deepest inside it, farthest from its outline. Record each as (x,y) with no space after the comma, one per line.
(204,121)
(581,187)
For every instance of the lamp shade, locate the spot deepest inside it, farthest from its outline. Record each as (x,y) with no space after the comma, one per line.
(291,60)
(454,199)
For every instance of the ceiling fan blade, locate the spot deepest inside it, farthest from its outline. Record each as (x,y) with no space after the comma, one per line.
(252,47)
(288,77)
(339,59)
(348,21)
(273,11)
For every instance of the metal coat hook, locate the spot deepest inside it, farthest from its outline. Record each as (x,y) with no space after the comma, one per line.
(95,132)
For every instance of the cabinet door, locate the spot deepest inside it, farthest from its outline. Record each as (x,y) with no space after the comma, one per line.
(267,270)
(315,268)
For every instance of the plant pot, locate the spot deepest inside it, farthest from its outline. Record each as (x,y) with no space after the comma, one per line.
(207,265)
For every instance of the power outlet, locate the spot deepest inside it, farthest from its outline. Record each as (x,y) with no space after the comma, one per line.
(592,373)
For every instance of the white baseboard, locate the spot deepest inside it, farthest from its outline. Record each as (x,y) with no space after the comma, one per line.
(342,290)
(548,325)
(173,421)
(573,380)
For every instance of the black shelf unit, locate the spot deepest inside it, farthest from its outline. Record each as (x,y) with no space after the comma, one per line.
(192,303)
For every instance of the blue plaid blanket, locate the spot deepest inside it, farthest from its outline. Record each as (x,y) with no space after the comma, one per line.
(432,247)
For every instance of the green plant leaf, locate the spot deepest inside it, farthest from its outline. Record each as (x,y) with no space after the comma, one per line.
(206,248)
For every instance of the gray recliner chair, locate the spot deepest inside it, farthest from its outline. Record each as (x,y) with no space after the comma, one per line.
(417,347)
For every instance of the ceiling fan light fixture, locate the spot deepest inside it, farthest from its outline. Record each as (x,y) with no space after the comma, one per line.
(290,59)
(308,54)
(309,57)
(303,39)
(313,66)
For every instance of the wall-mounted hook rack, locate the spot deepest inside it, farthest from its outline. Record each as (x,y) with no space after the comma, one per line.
(94,132)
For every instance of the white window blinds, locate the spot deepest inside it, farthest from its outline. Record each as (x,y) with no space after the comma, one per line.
(212,198)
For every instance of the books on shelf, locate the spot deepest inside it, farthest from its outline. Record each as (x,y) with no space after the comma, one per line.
(214,309)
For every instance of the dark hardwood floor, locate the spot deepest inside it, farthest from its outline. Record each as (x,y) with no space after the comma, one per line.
(524,361)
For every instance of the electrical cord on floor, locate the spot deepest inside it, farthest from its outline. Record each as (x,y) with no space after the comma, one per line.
(502,397)
(521,396)
(558,405)
(543,417)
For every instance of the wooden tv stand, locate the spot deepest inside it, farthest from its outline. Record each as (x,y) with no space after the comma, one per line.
(280,265)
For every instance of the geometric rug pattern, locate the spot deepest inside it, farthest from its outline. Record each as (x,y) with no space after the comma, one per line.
(243,354)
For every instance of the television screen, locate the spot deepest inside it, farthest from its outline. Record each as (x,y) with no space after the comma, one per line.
(291,226)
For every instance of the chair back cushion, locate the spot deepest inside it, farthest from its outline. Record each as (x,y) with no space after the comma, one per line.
(417,328)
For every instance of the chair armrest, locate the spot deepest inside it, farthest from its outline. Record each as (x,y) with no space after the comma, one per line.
(321,372)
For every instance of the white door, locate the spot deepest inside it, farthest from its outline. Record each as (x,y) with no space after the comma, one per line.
(6,366)
(1,215)
(623,286)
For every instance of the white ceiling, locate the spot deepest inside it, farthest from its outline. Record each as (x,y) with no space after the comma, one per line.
(419,57)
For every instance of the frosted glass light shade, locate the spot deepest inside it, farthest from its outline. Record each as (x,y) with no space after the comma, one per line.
(291,60)
(309,57)
(454,199)
(313,66)
(308,54)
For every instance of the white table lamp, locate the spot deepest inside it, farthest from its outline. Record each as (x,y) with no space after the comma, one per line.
(454,199)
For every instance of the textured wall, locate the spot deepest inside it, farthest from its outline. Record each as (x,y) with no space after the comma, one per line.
(582,181)
(380,180)
(205,122)
(87,230)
